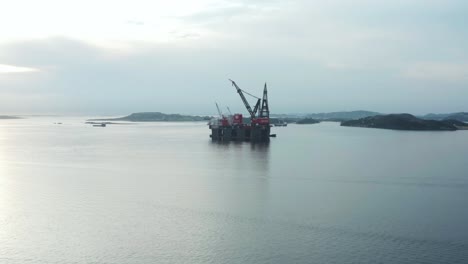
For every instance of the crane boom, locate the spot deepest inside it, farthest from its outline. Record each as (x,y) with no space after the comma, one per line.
(257,105)
(244,100)
(219,110)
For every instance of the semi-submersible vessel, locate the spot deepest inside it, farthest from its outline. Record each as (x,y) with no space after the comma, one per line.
(234,127)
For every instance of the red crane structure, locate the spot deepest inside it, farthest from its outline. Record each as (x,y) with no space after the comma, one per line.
(234,128)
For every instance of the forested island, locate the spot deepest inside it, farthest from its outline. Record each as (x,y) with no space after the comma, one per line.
(155,117)
(405,122)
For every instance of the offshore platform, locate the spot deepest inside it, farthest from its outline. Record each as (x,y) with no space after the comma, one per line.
(233,128)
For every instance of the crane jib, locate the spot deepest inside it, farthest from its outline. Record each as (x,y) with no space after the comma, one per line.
(247,105)
(261,106)
(244,100)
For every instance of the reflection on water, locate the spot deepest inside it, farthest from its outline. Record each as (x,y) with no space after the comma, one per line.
(247,163)
(254,156)
(166,193)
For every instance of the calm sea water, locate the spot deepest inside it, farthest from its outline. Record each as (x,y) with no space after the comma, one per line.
(164,193)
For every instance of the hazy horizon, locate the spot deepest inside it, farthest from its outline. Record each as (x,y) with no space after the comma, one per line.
(116,58)
(213,113)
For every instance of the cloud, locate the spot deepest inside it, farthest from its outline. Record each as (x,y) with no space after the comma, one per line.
(135,22)
(4,69)
(438,71)
(315,56)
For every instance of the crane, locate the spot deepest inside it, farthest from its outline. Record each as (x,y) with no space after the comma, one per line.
(232,126)
(252,113)
(223,120)
(265,111)
(219,110)
(256,107)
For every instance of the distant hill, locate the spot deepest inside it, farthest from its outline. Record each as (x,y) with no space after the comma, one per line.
(403,122)
(307,121)
(338,116)
(276,120)
(433,116)
(9,117)
(155,117)
(460,116)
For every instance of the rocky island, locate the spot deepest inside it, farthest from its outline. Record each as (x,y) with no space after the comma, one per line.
(404,122)
(155,117)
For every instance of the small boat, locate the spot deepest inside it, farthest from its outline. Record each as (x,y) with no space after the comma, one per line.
(99,125)
(281,123)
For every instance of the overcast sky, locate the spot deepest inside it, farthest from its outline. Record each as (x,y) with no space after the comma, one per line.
(116,57)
